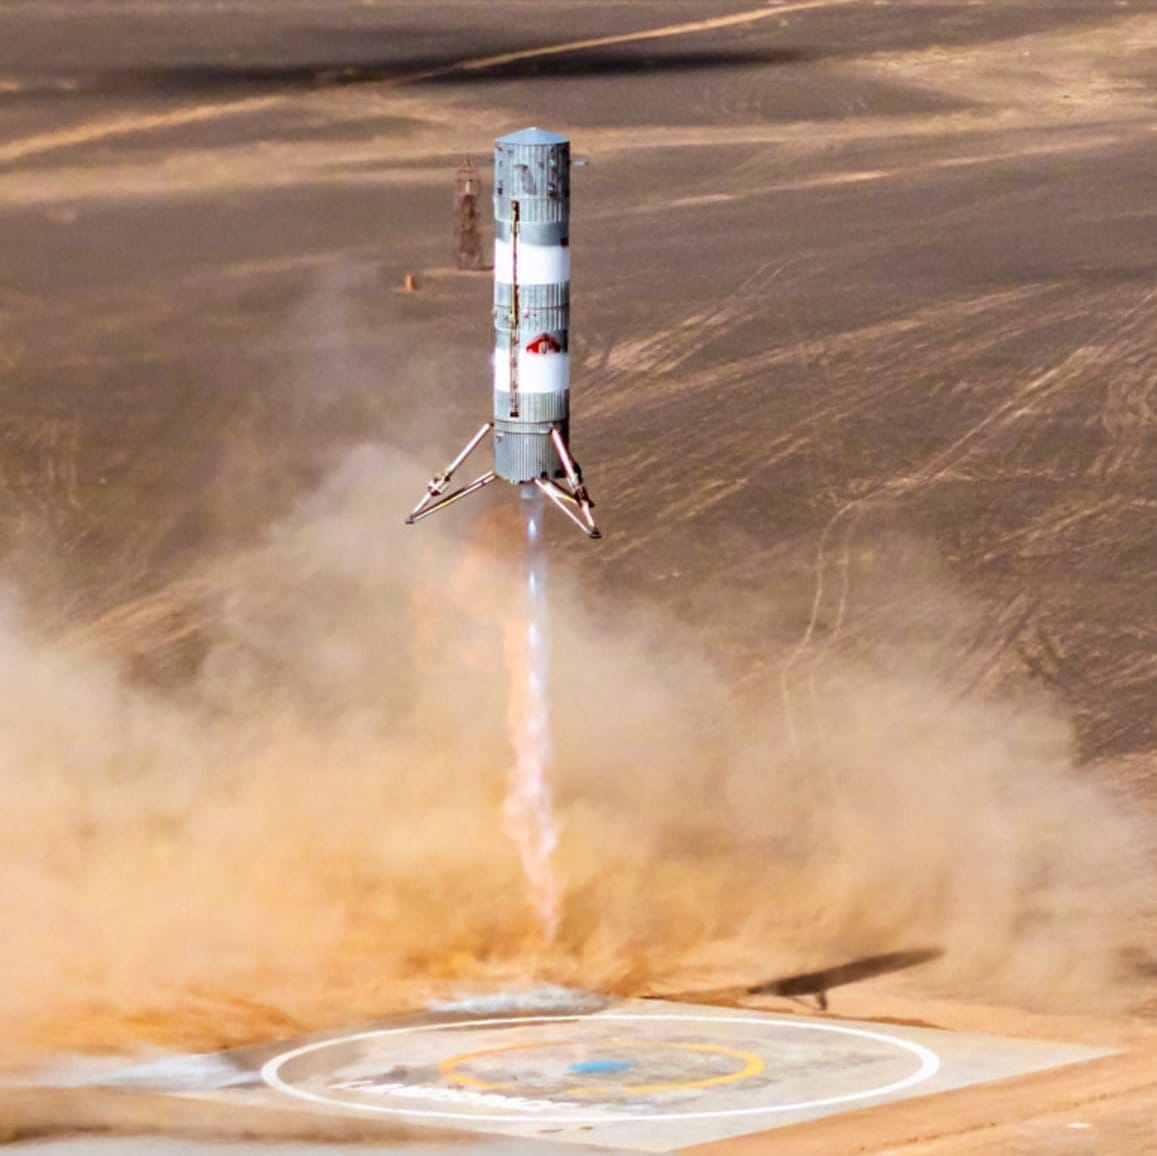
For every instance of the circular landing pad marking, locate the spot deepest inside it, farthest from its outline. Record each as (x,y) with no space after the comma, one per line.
(748,1064)
(516,1110)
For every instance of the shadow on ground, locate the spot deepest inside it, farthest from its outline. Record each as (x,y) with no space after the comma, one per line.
(226,79)
(819,983)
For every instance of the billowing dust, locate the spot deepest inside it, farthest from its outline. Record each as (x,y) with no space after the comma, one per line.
(311,832)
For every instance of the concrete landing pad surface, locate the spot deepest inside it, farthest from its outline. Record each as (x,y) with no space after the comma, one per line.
(643,1075)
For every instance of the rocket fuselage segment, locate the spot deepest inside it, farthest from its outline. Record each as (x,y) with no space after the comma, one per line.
(531,303)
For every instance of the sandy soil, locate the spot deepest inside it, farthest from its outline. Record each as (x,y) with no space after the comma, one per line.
(865,385)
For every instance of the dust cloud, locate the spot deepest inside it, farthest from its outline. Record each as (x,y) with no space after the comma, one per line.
(309,832)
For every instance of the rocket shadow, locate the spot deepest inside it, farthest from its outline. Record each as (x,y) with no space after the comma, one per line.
(817,983)
(205,80)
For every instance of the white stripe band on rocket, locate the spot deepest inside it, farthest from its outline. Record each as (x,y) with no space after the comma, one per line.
(537,264)
(531,396)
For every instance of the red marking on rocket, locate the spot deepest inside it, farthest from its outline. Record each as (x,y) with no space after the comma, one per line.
(543,343)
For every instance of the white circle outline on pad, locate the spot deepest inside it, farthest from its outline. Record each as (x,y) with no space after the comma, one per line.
(929,1065)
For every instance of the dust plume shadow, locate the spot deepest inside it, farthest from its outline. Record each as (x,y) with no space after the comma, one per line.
(203,80)
(616,63)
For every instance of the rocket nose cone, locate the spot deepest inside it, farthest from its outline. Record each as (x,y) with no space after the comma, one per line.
(532,136)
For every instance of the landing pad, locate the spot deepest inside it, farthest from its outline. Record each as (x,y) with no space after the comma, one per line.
(642,1075)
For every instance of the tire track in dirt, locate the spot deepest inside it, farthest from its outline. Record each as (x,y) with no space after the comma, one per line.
(880,353)
(1129,415)
(1028,400)
(42,466)
(655,357)
(640,378)
(636,370)
(993,651)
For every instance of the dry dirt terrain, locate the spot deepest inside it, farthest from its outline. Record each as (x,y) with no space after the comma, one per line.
(865,384)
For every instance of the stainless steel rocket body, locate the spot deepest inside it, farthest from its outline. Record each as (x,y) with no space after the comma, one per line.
(531,303)
(531,390)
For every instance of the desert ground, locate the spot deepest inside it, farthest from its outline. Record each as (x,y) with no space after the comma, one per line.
(864,384)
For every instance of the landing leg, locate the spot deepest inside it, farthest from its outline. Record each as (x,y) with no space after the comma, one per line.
(436,487)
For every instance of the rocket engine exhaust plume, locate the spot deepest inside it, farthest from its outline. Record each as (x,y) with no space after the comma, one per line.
(529,808)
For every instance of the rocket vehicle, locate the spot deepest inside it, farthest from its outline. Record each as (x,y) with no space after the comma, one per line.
(530,427)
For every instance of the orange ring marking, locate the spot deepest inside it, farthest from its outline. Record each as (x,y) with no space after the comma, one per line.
(752,1065)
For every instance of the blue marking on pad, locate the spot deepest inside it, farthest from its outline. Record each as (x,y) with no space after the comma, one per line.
(600,1067)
